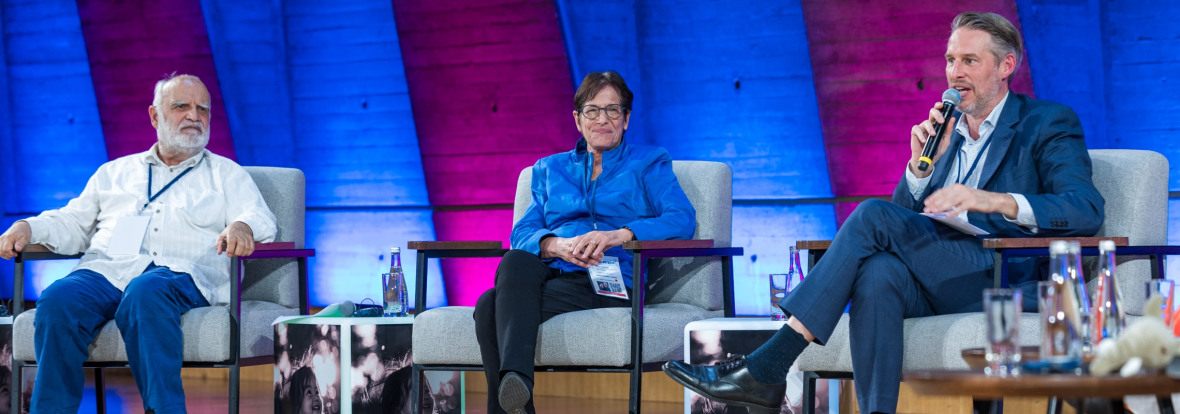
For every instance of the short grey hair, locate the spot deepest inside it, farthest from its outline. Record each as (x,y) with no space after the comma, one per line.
(1004,35)
(162,83)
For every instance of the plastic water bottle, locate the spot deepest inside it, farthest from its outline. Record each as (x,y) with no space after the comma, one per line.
(393,286)
(1081,298)
(781,284)
(1059,306)
(796,266)
(1109,319)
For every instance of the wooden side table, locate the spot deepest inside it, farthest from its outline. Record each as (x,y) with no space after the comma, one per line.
(976,384)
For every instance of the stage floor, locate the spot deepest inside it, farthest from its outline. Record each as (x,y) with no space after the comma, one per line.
(208,395)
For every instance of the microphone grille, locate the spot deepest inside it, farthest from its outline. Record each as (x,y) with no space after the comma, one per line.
(347,308)
(952,95)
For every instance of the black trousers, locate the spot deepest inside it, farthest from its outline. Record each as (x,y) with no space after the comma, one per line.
(527,293)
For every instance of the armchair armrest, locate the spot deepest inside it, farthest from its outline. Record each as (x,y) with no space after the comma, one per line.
(815,249)
(1004,248)
(30,252)
(446,249)
(649,249)
(813,244)
(271,250)
(274,245)
(277,250)
(436,246)
(667,244)
(41,252)
(1043,242)
(1007,248)
(680,248)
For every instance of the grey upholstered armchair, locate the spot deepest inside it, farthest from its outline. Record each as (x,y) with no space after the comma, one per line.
(1134,184)
(696,285)
(227,336)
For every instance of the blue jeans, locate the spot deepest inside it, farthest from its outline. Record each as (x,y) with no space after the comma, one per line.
(72,311)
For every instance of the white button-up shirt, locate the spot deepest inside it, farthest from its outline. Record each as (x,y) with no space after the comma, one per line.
(184,221)
(960,166)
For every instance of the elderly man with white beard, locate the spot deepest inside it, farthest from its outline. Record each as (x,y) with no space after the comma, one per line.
(156,230)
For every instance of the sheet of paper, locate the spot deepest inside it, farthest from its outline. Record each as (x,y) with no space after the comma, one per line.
(956,223)
(128,236)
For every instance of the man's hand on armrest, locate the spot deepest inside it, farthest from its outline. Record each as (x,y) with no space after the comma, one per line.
(15,239)
(236,240)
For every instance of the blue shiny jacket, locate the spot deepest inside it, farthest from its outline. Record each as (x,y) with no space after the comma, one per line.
(636,189)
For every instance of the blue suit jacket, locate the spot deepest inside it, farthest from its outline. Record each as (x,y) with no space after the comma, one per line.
(1037,151)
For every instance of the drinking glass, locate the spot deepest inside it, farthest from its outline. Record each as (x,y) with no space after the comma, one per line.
(1058,336)
(780,284)
(1001,311)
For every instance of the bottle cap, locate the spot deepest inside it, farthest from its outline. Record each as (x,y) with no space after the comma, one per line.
(395,249)
(1106,245)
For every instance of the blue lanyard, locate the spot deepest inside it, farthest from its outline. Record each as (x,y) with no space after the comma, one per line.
(591,189)
(963,179)
(151,197)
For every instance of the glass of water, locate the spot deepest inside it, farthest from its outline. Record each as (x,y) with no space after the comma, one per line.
(780,284)
(1001,312)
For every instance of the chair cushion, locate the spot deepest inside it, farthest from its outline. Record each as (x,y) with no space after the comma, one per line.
(206,334)
(932,342)
(600,337)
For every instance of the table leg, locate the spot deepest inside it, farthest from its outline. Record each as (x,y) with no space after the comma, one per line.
(1117,406)
(1165,402)
(1054,406)
(988,406)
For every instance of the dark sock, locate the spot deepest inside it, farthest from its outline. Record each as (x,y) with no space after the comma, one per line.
(770,362)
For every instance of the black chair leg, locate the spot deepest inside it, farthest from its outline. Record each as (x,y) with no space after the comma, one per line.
(808,402)
(100,392)
(415,389)
(636,385)
(1165,402)
(15,389)
(234,383)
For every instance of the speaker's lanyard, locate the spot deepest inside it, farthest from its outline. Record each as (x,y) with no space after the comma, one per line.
(963,179)
(150,197)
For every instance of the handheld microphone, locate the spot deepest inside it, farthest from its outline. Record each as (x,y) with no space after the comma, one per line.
(950,99)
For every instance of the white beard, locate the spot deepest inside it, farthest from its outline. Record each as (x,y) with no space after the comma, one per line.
(173,139)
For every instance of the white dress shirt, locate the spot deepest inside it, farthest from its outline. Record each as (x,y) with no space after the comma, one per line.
(960,167)
(184,223)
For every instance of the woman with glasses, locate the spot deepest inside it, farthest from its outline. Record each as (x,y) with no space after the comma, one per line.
(586,203)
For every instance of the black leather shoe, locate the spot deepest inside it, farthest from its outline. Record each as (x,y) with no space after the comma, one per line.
(729,382)
(514,394)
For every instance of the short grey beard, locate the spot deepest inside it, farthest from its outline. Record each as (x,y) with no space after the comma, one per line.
(175,143)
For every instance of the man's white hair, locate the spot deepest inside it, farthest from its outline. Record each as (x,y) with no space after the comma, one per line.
(162,83)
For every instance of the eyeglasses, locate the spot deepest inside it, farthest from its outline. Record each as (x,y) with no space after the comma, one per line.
(591,112)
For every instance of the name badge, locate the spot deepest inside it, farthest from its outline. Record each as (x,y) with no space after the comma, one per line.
(607,278)
(128,236)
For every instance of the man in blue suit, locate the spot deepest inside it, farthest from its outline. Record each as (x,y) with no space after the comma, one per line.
(1013,166)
